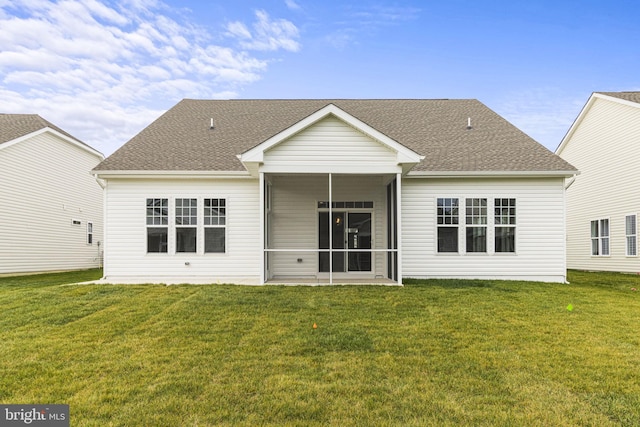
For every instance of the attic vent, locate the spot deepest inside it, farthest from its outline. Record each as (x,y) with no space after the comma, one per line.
(469,123)
(211,125)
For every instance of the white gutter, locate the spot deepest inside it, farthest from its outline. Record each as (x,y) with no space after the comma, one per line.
(160,174)
(490,174)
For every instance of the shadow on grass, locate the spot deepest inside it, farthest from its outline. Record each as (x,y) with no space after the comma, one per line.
(463,284)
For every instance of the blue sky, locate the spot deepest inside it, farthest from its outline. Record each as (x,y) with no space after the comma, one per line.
(103,70)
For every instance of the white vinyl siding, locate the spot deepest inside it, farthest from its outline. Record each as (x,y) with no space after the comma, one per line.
(330,146)
(539,239)
(127,258)
(605,147)
(46,185)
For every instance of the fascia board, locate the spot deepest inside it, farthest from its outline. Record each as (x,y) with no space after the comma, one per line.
(576,123)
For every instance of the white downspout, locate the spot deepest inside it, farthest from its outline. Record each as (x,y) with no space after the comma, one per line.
(399,225)
(263,252)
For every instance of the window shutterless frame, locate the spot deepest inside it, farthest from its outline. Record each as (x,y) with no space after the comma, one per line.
(631,235)
(600,237)
(89,233)
(157,221)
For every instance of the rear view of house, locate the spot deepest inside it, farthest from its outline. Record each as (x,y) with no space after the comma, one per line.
(332,191)
(603,202)
(50,204)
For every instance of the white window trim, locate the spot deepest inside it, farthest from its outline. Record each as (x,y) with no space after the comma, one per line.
(174,229)
(459,226)
(485,226)
(225,226)
(90,233)
(600,238)
(167,226)
(626,236)
(494,226)
(462,225)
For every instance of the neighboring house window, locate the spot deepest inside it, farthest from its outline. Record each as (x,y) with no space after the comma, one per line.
(505,223)
(447,215)
(215,221)
(600,237)
(186,222)
(632,235)
(476,221)
(157,225)
(89,233)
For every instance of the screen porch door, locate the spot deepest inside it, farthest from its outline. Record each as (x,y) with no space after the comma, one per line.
(350,231)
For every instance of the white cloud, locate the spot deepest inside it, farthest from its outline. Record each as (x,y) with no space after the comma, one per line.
(352,22)
(292,5)
(545,114)
(104,70)
(268,34)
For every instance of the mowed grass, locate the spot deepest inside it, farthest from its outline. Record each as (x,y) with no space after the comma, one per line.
(439,352)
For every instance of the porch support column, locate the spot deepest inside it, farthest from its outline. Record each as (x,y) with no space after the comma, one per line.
(399,225)
(330,229)
(263,252)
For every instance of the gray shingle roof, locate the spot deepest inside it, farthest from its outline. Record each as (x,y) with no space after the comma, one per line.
(14,126)
(627,96)
(180,140)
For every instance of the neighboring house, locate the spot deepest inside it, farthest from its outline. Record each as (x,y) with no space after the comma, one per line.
(333,191)
(603,202)
(50,204)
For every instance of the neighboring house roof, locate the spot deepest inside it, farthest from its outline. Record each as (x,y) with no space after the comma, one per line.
(14,126)
(627,96)
(181,139)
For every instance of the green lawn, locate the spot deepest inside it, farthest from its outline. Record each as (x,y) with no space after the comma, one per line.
(441,352)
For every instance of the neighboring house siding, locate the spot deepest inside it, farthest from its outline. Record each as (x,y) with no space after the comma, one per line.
(126,232)
(294,219)
(45,184)
(540,246)
(330,145)
(605,147)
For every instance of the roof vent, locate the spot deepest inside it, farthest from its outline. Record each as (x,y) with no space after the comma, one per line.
(469,127)
(211,125)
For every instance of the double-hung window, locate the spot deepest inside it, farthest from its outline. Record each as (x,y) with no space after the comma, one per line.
(215,221)
(448,223)
(600,237)
(476,225)
(186,225)
(89,233)
(157,225)
(505,225)
(631,235)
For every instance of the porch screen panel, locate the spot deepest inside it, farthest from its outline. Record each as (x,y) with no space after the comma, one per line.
(337,229)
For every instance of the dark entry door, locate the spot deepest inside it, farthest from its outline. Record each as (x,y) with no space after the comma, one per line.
(349,230)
